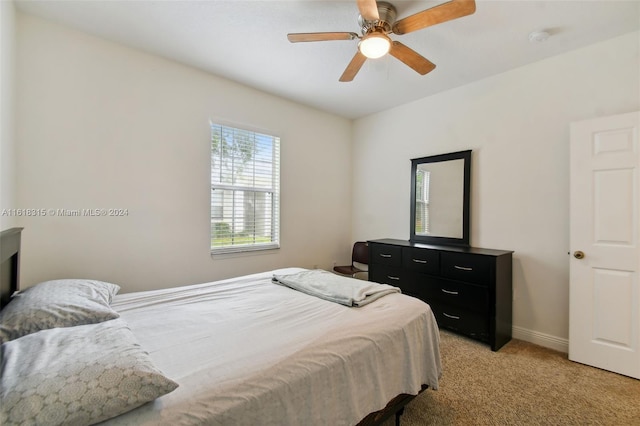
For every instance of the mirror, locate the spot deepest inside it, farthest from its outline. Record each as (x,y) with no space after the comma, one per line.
(440,195)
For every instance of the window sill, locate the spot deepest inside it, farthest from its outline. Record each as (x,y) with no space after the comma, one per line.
(243,249)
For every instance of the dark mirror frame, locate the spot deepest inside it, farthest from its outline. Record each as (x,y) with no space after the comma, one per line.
(434,239)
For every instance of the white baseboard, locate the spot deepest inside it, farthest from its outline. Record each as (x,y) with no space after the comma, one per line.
(541,339)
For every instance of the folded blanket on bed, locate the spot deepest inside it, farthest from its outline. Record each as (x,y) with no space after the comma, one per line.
(335,288)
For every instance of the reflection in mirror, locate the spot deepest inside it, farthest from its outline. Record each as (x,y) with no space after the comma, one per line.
(440,198)
(441,184)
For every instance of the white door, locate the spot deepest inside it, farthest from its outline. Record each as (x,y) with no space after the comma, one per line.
(604,318)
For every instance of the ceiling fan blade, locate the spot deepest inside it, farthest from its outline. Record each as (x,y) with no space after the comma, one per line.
(298,37)
(436,15)
(353,67)
(411,58)
(368,10)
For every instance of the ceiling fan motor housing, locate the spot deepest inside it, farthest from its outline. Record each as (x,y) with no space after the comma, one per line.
(387,13)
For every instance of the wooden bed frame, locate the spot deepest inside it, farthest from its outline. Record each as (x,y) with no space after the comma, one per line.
(9,264)
(10,283)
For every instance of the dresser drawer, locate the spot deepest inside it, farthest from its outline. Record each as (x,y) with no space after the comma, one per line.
(421,260)
(386,254)
(466,267)
(396,277)
(454,293)
(466,322)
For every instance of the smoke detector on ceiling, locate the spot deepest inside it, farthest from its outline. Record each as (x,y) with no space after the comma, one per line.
(538,36)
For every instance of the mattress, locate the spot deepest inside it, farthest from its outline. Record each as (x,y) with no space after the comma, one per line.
(246,351)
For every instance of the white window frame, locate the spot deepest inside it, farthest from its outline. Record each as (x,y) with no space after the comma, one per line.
(224,180)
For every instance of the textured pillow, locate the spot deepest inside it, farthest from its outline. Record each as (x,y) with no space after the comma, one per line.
(58,303)
(76,376)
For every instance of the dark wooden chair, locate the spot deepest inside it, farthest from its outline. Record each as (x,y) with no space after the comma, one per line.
(360,254)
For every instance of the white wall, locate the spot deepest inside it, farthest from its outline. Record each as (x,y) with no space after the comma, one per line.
(100,125)
(517,124)
(7,132)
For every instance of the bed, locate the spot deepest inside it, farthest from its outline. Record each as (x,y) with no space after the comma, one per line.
(248,351)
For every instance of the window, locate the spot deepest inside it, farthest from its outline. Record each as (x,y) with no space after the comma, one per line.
(245,186)
(422,201)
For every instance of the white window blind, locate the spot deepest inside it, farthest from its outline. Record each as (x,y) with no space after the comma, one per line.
(245,186)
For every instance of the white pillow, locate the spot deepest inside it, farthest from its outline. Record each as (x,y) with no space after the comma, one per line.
(76,375)
(58,303)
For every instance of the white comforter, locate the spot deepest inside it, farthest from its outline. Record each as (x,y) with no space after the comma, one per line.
(246,351)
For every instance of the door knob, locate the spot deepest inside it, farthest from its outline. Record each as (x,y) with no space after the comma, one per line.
(578,254)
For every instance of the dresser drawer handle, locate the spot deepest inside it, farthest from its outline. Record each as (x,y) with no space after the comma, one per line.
(419,261)
(450,316)
(384,255)
(455,293)
(463,268)
(393,278)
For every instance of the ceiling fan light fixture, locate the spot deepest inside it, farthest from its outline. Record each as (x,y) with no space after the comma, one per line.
(374,45)
(377,20)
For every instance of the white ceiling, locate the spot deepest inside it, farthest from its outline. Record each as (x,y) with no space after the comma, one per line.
(246,41)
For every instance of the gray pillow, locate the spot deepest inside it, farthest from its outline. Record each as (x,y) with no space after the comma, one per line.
(58,303)
(76,376)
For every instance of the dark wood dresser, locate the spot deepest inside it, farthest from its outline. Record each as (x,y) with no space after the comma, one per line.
(468,288)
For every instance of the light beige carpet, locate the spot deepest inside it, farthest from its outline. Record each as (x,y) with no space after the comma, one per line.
(521,384)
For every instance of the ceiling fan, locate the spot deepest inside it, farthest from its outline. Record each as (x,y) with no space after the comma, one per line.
(377,20)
